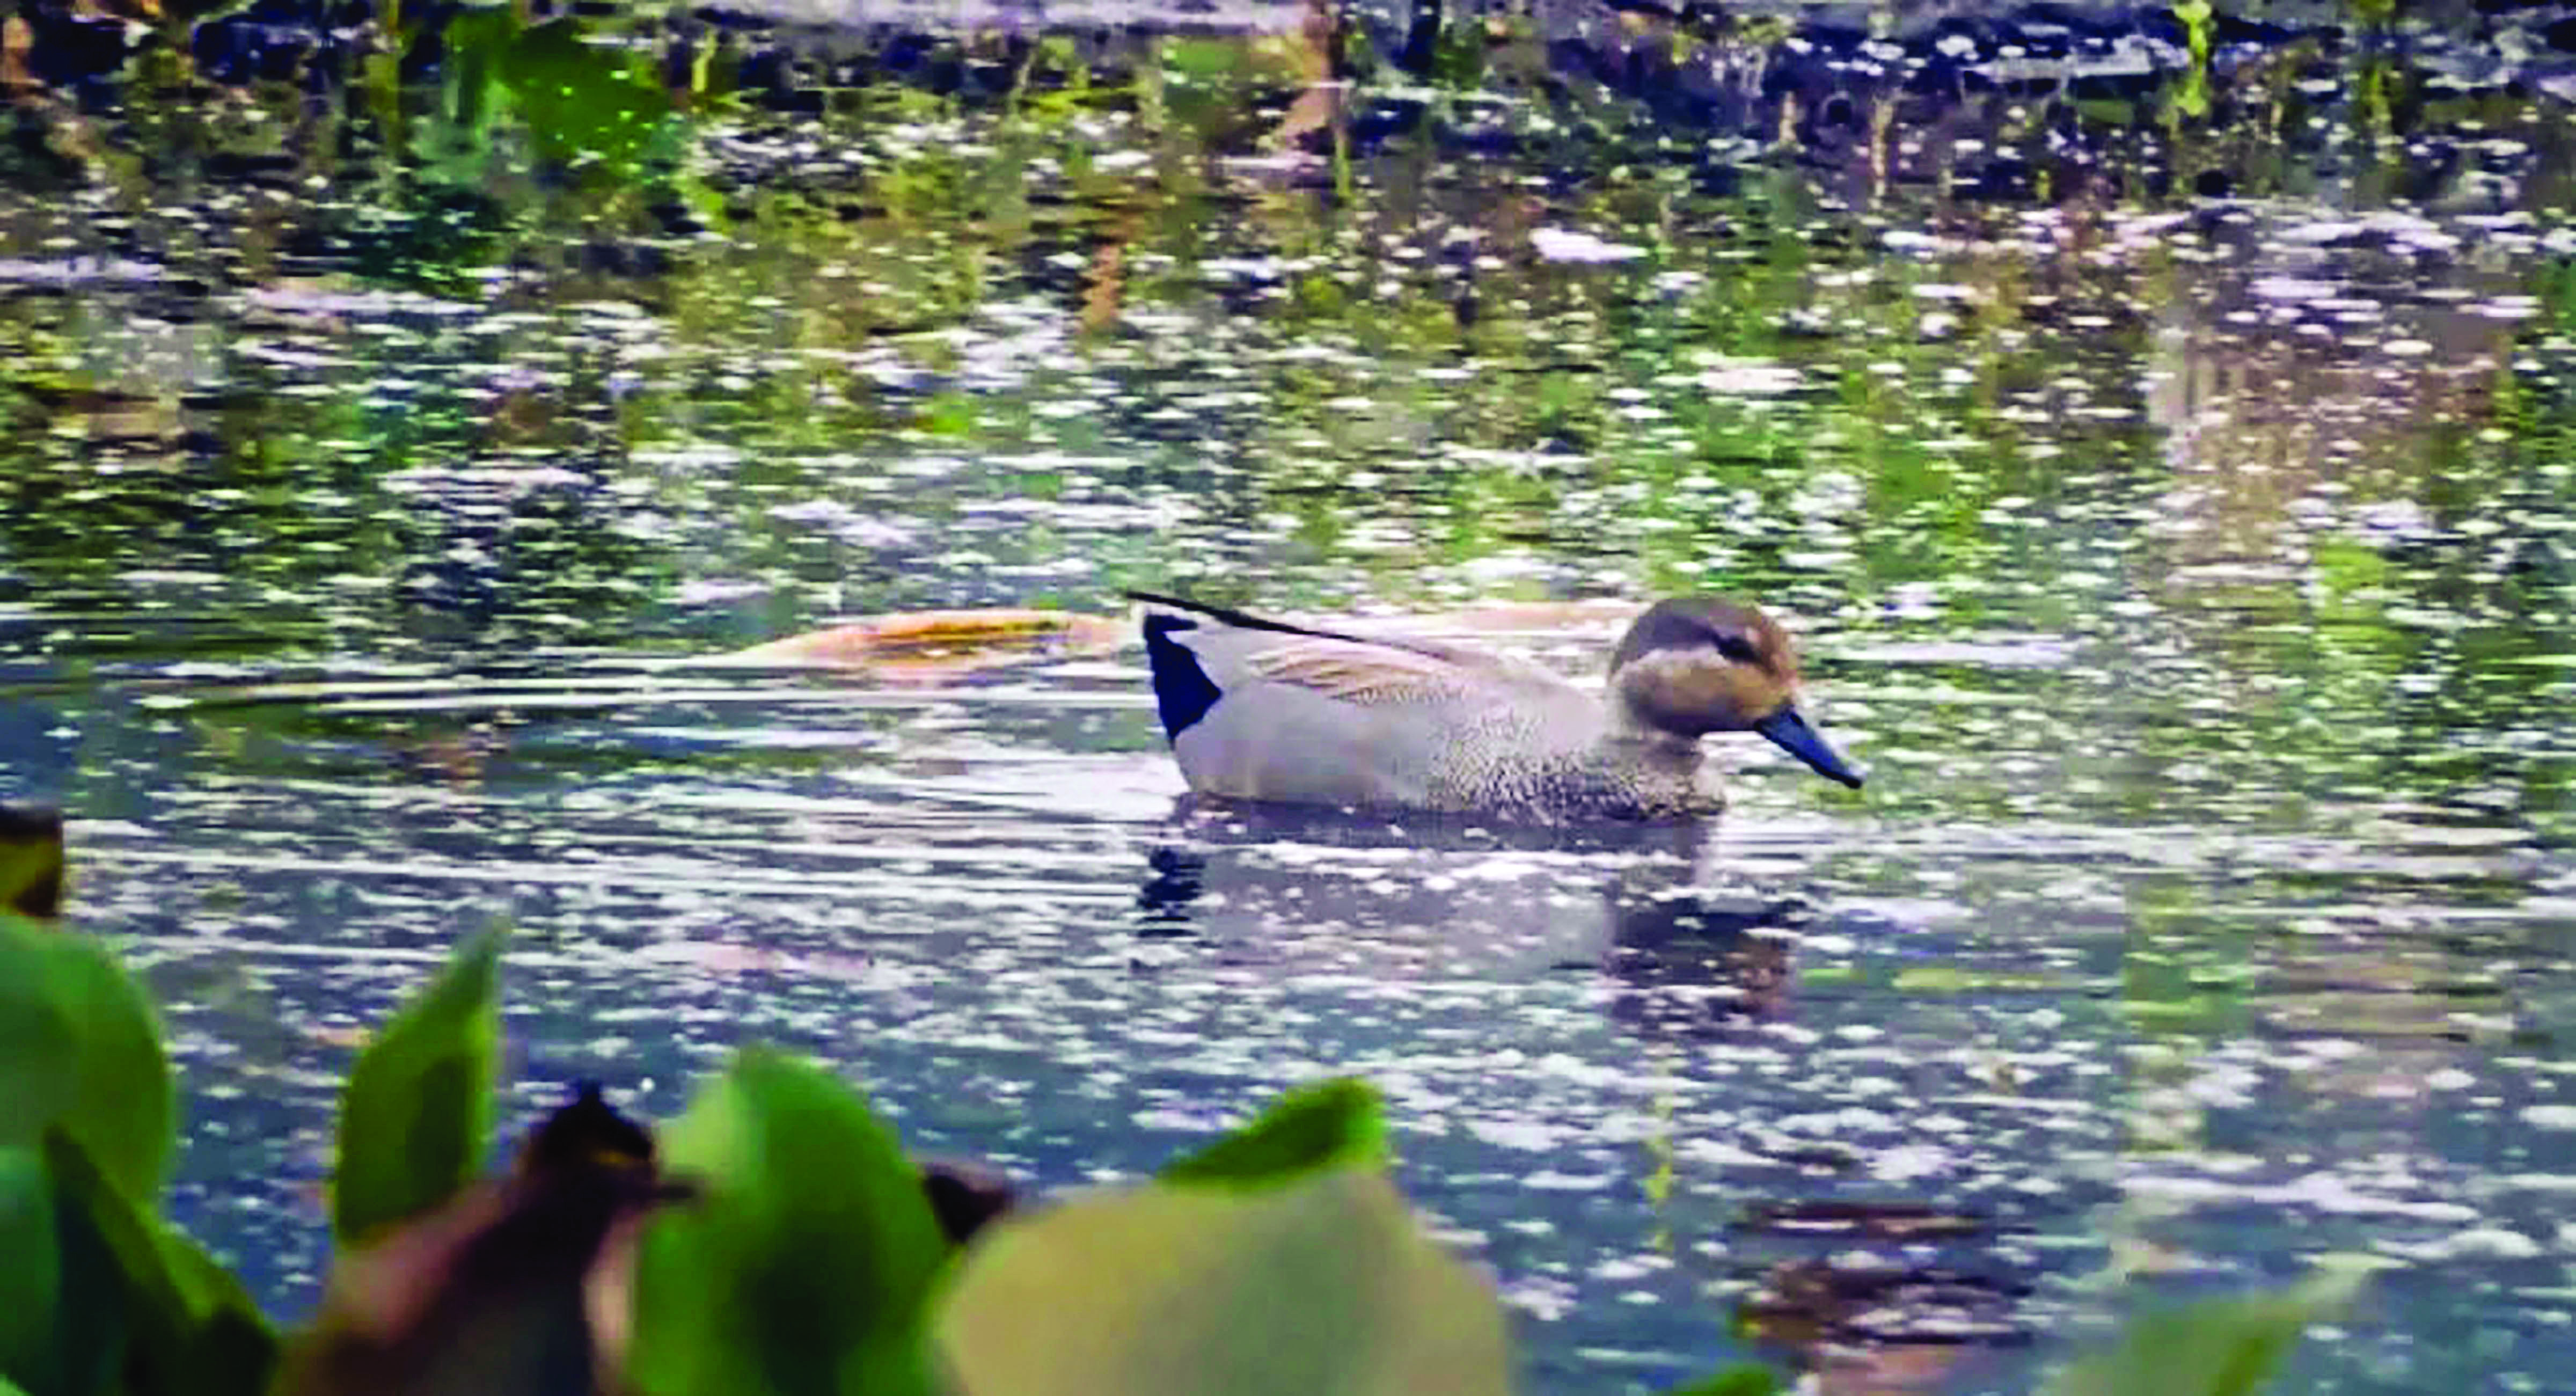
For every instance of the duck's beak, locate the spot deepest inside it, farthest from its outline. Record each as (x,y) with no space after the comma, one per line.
(1788,727)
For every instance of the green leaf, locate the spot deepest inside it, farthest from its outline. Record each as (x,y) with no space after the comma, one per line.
(807,1262)
(231,1340)
(1742,1379)
(416,1117)
(139,1294)
(1321,1284)
(31,862)
(1327,1124)
(80,1048)
(2220,1347)
(583,102)
(123,1316)
(30,1277)
(476,40)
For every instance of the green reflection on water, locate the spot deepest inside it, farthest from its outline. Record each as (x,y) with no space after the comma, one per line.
(1306,389)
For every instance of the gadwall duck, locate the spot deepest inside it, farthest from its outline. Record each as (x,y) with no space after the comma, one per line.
(1264,710)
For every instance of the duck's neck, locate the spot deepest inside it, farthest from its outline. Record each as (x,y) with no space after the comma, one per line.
(1630,727)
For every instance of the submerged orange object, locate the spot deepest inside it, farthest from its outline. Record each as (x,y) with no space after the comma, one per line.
(931,643)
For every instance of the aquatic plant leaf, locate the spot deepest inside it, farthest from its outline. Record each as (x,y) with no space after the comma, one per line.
(477,39)
(142,1295)
(416,1115)
(31,862)
(1319,1284)
(30,1278)
(231,1342)
(583,102)
(2220,1347)
(807,1261)
(1742,1379)
(81,1048)
(1326,1124)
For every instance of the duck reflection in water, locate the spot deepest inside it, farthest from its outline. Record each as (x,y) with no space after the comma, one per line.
(1442,898)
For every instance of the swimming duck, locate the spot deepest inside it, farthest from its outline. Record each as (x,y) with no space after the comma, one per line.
(1264,710)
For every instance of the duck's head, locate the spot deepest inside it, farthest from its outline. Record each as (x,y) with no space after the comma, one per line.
(1692,665)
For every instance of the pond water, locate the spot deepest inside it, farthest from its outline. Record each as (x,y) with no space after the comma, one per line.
(2195,576)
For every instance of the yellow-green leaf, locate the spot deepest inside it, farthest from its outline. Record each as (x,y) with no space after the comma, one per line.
(1320,1284)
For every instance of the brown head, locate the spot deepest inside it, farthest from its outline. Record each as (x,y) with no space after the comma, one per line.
(1692,665)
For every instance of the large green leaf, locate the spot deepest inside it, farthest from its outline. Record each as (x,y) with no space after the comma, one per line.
(30,1272)
(2219,1347)
(31,861)
(416,1117)
(1321,1284)
(80,1048)
(122,1316)
(230,1341)
(1327,1124)
(140,1299)
(806,1264)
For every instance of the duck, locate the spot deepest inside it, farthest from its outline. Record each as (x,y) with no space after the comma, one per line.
(1272,712)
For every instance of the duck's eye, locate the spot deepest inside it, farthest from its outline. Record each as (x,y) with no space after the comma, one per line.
(1735,647)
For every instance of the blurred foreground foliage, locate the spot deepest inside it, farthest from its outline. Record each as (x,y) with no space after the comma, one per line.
(776,1238)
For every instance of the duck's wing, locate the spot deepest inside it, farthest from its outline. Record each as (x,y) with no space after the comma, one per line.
(1228,650)
(1359,671)
(1265,710)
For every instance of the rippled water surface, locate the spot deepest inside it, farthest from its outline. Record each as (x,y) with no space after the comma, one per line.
(2195,577)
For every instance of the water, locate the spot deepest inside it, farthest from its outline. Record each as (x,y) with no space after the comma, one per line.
(2192,576)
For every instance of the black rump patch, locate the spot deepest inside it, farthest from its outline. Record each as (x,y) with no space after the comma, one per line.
(1183,692)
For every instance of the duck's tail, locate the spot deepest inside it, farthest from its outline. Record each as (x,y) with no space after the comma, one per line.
(1225,615)
(1183,692)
